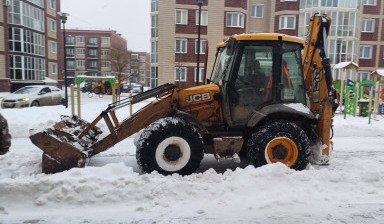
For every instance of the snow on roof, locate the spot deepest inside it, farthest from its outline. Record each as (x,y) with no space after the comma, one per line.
(49,80)
(379,72)
(346,65)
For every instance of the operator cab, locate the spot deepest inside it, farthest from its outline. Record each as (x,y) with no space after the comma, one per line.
(258,70)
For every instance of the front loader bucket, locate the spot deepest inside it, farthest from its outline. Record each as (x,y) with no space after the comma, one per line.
(61,146)
(58,155)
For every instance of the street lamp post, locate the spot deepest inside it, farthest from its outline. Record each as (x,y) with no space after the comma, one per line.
(199,3)
(63,18)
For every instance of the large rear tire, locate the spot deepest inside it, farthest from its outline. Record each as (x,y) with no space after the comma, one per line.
(279,141)
(169,146)
(5,137)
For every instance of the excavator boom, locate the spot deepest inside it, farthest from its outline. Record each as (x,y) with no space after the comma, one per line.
(318,81)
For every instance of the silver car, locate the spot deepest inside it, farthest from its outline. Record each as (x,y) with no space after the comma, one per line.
(33,96)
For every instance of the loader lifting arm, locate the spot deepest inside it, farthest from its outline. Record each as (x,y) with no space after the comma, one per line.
(318,80)
(72,141)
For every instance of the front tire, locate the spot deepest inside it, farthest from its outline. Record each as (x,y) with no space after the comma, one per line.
(35,104)
(279,141)
(169,146)
(5,137)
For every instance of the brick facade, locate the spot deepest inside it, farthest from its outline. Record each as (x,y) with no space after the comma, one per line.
(243,4)
(371,36)
(282,6)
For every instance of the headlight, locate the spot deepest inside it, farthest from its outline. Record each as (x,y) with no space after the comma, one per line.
(24,99)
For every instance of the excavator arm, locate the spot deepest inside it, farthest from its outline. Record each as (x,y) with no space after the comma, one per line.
(318,82)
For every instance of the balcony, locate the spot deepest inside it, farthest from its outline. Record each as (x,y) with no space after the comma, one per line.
(92,44)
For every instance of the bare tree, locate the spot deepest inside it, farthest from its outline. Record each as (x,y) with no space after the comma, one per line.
(119,58)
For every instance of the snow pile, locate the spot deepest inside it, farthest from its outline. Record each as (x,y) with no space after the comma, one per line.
(112,190)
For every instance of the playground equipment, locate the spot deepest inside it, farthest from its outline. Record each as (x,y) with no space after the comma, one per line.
(97,79)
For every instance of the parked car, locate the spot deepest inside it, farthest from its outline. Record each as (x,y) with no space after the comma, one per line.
(33,96)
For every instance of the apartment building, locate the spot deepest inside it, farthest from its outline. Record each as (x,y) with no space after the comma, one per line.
(139,68)
(356,32)
(88,52)
(29,38)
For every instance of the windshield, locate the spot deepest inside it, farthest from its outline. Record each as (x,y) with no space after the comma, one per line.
(222,65)
(26,90)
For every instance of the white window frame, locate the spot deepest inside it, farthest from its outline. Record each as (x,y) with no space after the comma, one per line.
(80,63)
(363,49)
(105,40)
(283,25)
(363,73)
(53,47)
(53,26)
(200,74)
(80,39)
(183,14)
(52,4)
(238,22)
(202,46)
(80,51)
(204,18)
(254,11)
(181,46)
(178,78)
(364,25)
(370,2)
(54,68)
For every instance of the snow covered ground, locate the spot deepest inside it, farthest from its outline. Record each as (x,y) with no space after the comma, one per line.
(111,189)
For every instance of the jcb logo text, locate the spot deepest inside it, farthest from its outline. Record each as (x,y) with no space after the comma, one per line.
(198,97)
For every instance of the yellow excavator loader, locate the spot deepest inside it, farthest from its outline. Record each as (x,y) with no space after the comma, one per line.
(267,101)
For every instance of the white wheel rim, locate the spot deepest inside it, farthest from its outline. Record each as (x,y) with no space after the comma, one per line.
(172,166)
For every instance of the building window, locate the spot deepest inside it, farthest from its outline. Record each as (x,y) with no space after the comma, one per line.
(54,47)
(368,25)
(70,52)
(289,0)
(154,55)
(54,68)
(80,39)
(154,5)
(104,52)
(258,11)
(202,46)
(181,16)
(80,63)
(53,26)
(287,22)
(105,40)
(235,19)
(204,18)
(154,26)
(105,64)
(201,74)
(365,51)
(93,40)
(93,64)
(181,45)
(370,2)
(363,76)
(181,74)
(134,56)
(93,52)
(80,51)
(52,4)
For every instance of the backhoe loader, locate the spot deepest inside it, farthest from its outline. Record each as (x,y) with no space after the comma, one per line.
(281,113)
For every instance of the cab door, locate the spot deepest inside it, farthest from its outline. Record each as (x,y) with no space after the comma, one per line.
(249,82)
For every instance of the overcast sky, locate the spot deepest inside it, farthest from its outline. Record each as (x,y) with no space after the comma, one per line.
(131,18)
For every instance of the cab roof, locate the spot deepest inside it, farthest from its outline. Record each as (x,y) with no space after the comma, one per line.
(262,36)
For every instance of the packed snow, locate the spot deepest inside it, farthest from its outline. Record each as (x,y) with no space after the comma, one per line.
(111,188)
